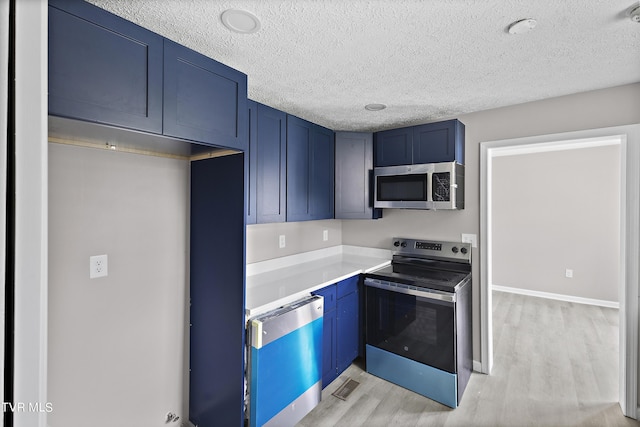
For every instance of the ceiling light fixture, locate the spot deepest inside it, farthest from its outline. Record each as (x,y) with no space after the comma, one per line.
(240,21)
(522,26)
(375,107)
(634,14)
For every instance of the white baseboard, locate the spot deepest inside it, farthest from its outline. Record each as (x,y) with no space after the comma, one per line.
(560,297)
(477,366)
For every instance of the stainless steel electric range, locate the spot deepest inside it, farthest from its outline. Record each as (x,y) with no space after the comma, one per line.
(418,319)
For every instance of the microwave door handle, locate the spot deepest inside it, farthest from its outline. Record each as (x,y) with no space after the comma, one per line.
(430,187)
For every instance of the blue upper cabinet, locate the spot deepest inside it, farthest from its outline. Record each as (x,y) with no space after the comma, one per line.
(250,163)
(270,170)
(394,147)
(322,164)
(310,171)
(204,100)
(439,142)
(430,143)
(103,68)
(354,164)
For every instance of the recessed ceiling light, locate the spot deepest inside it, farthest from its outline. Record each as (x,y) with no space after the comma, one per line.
(522,26)
(240,21)
(634,14)
(375,107)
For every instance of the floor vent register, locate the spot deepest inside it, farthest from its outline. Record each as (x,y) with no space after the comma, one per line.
(345,389)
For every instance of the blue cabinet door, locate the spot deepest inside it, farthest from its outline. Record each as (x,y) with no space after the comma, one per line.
(329,334)
(204,101)
(347,330)
(329,344)
(439,142)
(250,163)
(430,143)
(271,161)
(298,155)
(103,68)
(322,173)
(394,147)
(341,335)
(310,171)
(348,322)
(353,178)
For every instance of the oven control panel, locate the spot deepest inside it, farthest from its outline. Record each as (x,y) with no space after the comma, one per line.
(432,249)
(430,246)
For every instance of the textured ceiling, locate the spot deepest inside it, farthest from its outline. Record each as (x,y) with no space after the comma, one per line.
(323,60)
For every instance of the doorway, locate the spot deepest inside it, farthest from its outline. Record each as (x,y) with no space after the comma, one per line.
(628,283)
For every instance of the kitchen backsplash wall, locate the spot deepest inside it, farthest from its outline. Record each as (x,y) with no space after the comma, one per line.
(117,343)
(263,240)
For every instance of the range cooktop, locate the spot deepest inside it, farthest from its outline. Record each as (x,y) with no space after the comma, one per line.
(447,281)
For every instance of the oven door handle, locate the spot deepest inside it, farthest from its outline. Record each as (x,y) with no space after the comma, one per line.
(424,294)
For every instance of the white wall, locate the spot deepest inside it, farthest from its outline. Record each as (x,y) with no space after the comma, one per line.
(4,109)
(305,236)
(117,344)
(553,211)
(30,248)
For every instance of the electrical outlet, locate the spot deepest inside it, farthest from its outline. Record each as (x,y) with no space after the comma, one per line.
(98,266)
(281,241)
(171,418)
(325,235)
(568,273)
(470,238)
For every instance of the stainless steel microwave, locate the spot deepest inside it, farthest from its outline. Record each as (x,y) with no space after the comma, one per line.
(423,186)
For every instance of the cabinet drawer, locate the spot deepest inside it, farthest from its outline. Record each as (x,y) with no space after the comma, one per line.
(329,295)
(348,286)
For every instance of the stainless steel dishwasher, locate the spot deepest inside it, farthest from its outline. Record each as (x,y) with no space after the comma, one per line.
(285,363)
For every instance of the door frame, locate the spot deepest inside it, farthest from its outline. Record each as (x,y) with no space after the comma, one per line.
(628,137)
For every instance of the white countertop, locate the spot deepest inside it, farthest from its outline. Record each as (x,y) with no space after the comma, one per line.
(273,283)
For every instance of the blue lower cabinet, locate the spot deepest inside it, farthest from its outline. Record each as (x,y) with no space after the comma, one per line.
(329,368)
(347,330)
(329,336)
(341,327)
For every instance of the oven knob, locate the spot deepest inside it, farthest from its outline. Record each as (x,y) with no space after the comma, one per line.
(454,249)
(463,250)
(404,244)
(396,243)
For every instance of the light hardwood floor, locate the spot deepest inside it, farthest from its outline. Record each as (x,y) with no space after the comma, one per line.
(555,364)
